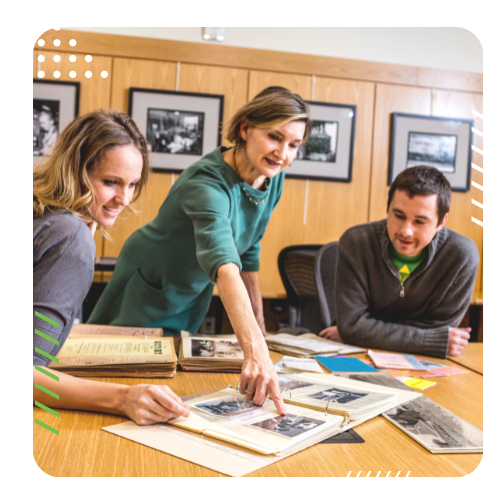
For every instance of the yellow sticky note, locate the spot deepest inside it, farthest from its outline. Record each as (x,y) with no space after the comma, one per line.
(416,383)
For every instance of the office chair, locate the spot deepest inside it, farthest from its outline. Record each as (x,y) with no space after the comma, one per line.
(296,265)
(325,265)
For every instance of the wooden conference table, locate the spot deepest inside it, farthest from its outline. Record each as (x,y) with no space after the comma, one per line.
(84,449)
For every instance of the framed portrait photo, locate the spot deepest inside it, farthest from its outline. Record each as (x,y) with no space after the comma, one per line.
(55,105)
(443,143)
(180,127)
(327,154)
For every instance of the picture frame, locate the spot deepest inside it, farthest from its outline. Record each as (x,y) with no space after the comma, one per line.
(181,127)
(444,143)
(328,153)
(55,105)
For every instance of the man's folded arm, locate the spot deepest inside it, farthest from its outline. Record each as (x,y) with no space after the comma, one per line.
(357,326)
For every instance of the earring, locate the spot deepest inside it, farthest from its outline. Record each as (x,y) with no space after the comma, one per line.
(243,147)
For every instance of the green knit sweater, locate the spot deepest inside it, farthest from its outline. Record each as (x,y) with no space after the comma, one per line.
(167,269)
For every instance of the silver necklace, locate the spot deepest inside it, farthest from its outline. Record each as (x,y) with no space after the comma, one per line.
(244,185)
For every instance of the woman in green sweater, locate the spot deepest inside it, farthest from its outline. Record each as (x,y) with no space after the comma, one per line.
(208,231)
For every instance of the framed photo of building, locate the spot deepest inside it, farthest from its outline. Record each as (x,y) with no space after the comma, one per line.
(55,105)
(327,154)
(443,143)
(180,127)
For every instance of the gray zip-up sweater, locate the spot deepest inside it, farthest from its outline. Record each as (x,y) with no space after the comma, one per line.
(372,309)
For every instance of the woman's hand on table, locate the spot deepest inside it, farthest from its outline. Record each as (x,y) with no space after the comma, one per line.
(149,404)
(259,380)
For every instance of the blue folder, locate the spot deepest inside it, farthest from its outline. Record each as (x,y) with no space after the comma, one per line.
(344,364)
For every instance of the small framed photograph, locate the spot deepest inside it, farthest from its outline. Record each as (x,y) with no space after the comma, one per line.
(55,105)
(327,154)
(443,143)
(180,127)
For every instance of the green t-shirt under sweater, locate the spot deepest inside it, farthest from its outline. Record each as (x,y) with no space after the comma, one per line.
(406,265)
(166,270)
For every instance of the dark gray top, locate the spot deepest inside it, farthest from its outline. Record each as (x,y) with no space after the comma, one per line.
(63,269)
(372,309)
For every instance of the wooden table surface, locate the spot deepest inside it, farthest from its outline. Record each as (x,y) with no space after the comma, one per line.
(471,357)
(84,449)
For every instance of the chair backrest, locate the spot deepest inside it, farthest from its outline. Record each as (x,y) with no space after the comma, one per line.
(297,269)
(326,260)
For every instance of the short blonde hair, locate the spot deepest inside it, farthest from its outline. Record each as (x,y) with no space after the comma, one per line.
(62,180)
(271,107)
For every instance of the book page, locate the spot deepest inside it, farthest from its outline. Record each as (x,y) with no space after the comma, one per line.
(209,348)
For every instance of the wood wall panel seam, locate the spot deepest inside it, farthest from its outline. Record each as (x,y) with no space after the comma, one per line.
(267,60)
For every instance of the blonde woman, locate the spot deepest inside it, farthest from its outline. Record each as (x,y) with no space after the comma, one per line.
(208,231)
(97,167)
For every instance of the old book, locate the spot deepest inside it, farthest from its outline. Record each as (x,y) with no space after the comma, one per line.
(82,329)
(302,347)
(117,357)
(210,354)
(291,364)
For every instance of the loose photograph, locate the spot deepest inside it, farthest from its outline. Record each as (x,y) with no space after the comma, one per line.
(290,383)
(434,150)
(341,396)
(289,426)
(226,406)
(45,125)
(435,427)
(175,131)
(322,144)
(216,349)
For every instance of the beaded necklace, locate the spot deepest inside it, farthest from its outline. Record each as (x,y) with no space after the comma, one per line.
(244,185)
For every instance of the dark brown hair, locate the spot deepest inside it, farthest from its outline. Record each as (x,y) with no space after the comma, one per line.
(424,181)
(272,107)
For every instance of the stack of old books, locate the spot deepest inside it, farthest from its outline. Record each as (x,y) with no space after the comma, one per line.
(218,353)
(115,351)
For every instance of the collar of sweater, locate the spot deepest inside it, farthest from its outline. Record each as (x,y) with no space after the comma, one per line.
(434,246)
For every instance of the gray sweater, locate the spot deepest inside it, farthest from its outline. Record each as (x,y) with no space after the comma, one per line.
(372,309)
(63,269)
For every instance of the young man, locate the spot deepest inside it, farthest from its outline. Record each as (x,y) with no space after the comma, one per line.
(404,283)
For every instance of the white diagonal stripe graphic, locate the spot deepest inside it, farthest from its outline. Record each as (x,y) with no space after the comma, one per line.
(396,478)
(483,135)
(346,478)
(369,472)
(408,473)
(484,207)
(484,118)
(378,473)
(484,153)
(491,229)
(485,172)
(484,189)
(356,478)
(388,474)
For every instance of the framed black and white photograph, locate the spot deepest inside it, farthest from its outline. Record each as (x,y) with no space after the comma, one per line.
(327,154)
(443,143)
(341,396)
(226,406)
(289,426)
(180,127)
(55,105)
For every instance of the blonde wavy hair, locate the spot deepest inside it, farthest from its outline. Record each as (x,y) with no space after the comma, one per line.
(62,178)
(272,107)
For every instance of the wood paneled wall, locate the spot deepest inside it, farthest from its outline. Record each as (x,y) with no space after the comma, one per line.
(309,211)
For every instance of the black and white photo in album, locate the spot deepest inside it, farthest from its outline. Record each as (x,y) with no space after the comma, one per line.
(328,153)
(289,425)
(215,349)
(442,143)
(181,127)
(339,395)
(226,406)
(291,384)
(55,105)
